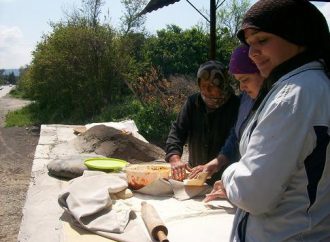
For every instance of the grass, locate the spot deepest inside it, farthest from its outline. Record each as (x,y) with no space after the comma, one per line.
(20,118)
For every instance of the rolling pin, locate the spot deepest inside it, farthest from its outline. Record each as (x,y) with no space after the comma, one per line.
(153,222)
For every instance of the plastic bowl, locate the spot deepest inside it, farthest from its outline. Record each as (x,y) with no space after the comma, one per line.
(140,175)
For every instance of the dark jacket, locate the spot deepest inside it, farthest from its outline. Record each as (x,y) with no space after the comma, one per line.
(204,132)
(230,149)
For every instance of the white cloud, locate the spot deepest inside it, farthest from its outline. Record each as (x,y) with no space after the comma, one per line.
(14,50)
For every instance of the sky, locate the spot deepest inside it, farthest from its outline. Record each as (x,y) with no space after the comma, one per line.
(24,22)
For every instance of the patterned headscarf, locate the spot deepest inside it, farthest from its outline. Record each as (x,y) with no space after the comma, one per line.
(215,72)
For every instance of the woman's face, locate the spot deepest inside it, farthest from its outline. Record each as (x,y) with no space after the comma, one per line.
(268,50)
(250,83)
(212,94)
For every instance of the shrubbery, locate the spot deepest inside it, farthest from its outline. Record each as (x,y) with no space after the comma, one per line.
(85,71)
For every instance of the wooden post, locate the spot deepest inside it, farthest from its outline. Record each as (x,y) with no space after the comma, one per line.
(213,29)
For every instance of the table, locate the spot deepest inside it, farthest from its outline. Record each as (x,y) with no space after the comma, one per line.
(189,220)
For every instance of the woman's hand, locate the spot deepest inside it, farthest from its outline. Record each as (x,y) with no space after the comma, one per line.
(218,191)
(210,167)
(178,168)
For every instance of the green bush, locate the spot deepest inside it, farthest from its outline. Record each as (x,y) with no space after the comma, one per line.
(121,110)
(22,117)
(152,120)
(154,123)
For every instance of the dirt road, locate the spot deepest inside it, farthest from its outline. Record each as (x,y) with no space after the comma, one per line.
(17,147)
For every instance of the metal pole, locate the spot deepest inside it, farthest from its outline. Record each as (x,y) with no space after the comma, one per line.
(213,9)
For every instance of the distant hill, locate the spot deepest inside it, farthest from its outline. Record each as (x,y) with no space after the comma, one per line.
(8,71)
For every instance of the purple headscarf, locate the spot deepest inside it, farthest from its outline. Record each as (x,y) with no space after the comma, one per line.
(240,62)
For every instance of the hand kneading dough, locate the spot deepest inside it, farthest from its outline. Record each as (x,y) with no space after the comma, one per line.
(198,181)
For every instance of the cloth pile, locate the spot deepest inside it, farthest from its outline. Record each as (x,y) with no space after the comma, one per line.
(87,201)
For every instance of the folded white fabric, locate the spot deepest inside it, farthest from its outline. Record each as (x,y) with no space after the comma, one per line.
(87,200)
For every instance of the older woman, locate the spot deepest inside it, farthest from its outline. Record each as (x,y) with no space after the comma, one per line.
(204,121)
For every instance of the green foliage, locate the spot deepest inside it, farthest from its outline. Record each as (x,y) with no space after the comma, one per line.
(91,11)
(154,122)
(230,16)
(175,50)
(24,86)
(85,71)
(73,73)
(16,93)
(131,61)
(131,21)
(11,78)
(7,78)
(229,19)
(121,110)
(2,77)
(27,116)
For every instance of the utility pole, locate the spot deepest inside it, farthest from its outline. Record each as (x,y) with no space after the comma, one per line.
(213,9)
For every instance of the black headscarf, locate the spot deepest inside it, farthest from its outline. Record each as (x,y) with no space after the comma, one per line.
(297,21)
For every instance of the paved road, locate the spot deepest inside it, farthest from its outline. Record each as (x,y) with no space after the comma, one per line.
(5,89)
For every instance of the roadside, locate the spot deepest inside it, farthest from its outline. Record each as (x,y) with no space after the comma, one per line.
(17,147)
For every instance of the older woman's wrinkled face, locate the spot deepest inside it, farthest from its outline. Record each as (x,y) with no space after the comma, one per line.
(250,83)
(268,50)
(211,94)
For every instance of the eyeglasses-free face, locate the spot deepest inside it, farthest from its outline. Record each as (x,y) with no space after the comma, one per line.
(268,50)
(212,95)
(250,83)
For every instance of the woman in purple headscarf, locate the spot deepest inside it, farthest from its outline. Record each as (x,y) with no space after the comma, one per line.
(250,82)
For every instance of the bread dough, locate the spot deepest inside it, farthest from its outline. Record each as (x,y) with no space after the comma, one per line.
(124,194)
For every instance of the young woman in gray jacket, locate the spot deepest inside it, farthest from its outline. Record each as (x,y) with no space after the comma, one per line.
(281,185)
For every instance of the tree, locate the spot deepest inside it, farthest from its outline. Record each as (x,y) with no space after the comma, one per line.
(11,78)
(77,63)
(229,19)
(24,82)
(230,16)
(2,79)
(177,51)
(92,10)
(131,21)
(89,13)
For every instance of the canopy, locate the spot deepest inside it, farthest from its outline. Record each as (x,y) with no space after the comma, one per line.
(156,4)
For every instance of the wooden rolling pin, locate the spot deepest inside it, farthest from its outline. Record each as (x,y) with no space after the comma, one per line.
(155,225)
